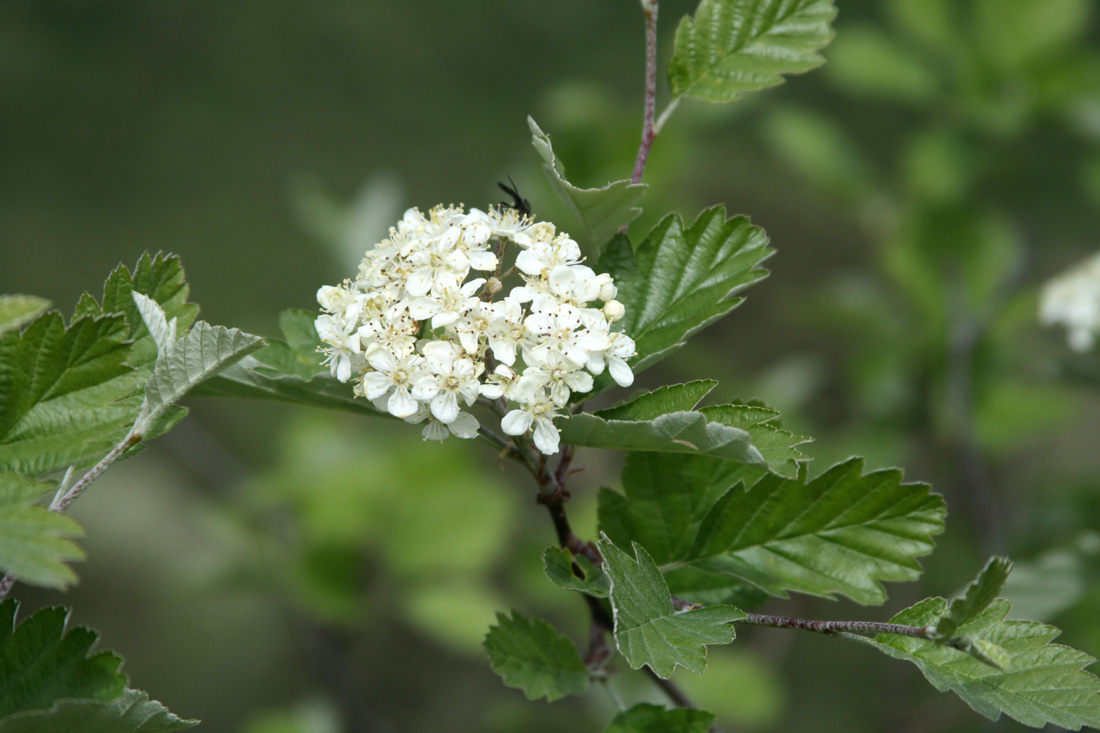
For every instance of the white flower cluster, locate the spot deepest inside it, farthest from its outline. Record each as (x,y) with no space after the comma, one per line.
(421,341)
(1073,299)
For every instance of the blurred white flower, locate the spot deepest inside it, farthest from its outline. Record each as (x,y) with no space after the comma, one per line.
(1073,300)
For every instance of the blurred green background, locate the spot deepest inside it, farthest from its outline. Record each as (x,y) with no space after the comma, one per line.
(272,570)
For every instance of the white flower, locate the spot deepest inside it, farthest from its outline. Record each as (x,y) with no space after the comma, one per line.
(1073,299)
(540,414)
(449,378)
(420,333)
(506,330)
(559,376)
(342,347)
(556,330)
(498,383)
(394,377)
(620,347)
(447,305)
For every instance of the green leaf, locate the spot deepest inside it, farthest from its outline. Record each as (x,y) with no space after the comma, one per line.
(64,392)
(161,278)
(251,379)
(762,423)
(288,371)
(602,211)
(41,662)
(661,401)
(1041,683)
(840,533)
(297,354)
(648,628)
(676,432)
(736,46)
(977,597)
(133,712)
(663,421)
(19,310)
(649,718)
(558,566)
(681,281)
(34,544)
(203,352)
(527,653)
(69,394)
(665,497)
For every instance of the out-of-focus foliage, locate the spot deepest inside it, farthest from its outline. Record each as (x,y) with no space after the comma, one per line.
(949,143)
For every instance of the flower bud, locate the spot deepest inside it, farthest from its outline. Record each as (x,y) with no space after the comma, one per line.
(614,310)
(608,291)
(493,286)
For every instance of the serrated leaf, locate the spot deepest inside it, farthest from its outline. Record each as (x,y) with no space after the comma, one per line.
(682,280)
(664,499)
(41,661)
(977,597)
(70,394)
(661,401)
(558,565)
(160,277)
(649,718)
(527,653)
(1041,683)
(202,353)
(648,628)
(735,46)
(132,712)
(297,354)
(676,432)
(19,310)
(251,379)
(842,532)
(160,328)
(63,392)
(778,446)
(34,544)
(602,211)
(663,421)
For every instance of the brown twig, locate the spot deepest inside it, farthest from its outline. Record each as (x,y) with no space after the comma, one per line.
(836,627)
(649,131)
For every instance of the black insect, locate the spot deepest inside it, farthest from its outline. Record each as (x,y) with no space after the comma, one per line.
(520,204)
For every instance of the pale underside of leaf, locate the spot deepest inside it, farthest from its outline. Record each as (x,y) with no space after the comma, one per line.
(132,712)
(1042,683)
(602,211)
(203,352)
(18,310)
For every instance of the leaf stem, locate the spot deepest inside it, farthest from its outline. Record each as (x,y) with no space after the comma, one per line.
(665,115)
(837,627)
(62,501)
(60,504)
(649,131)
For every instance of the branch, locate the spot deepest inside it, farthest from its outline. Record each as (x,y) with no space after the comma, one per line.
(62,501)
(837,627)
(649,132)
